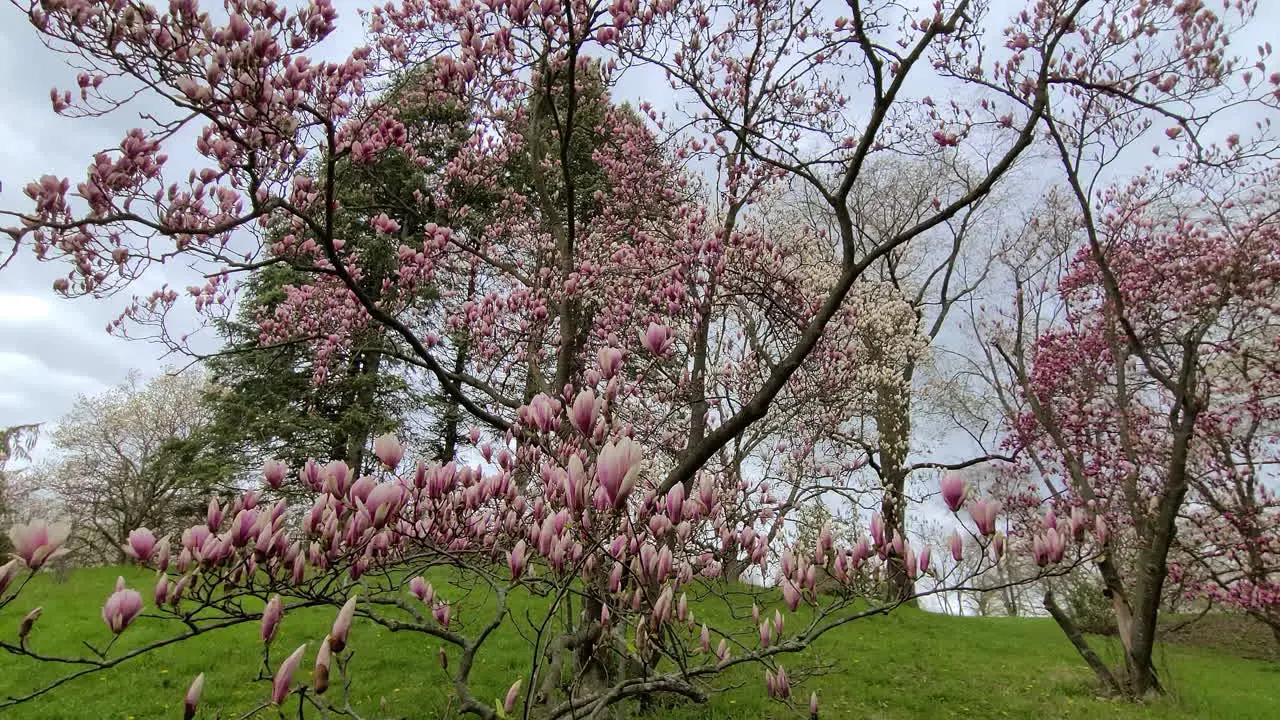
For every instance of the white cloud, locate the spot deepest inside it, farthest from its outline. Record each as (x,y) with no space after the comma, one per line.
(22,309)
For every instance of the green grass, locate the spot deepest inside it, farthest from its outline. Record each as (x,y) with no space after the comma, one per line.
(910,664)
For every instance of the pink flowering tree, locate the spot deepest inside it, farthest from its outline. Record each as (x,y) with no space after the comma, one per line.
(1115,376)
(1149,419)
(619,319)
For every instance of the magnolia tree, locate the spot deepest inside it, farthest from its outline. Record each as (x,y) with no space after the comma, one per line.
(582,316)
(1149,409)
(1112,369)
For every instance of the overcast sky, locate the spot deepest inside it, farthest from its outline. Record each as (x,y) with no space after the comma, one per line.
(53,349)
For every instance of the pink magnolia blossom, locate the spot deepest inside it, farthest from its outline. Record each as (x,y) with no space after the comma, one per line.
(142,543)
(543,413)
(617,467)
(37,542)
(1079,521)
(584,412)
(421,589)
(953,491)
(984,514)
(388,449)
(162,591)
(442,612)
(274,471)
(213,518)
(610,361)
(783,683)
(790,594)
(657,339)
(161,556)
(121,608)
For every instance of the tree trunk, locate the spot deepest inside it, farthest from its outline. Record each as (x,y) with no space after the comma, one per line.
(1153,564)
(1100,669)
(593,659)
(367,370)
(893,421)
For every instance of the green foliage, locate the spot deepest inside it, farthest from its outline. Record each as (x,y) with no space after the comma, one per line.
(1088,606)
(265,404)
(910,664)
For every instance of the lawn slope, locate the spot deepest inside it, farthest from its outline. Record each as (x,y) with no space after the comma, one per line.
(910,664)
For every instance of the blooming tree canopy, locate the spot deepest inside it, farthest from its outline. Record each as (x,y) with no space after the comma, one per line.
(628,315)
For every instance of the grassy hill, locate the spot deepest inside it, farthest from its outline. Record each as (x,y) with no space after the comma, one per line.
(910,664)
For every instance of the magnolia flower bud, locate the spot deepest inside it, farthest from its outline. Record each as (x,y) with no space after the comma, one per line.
(513,695)
(162,590)
(790,594)
(342,626)
(584,411)
(271,619)
(783,683)
(516,560)
(320,678)
(28,621)
(8,573)
(161,556)
(283,680)
(214,516)
(192,699)
(957,546)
